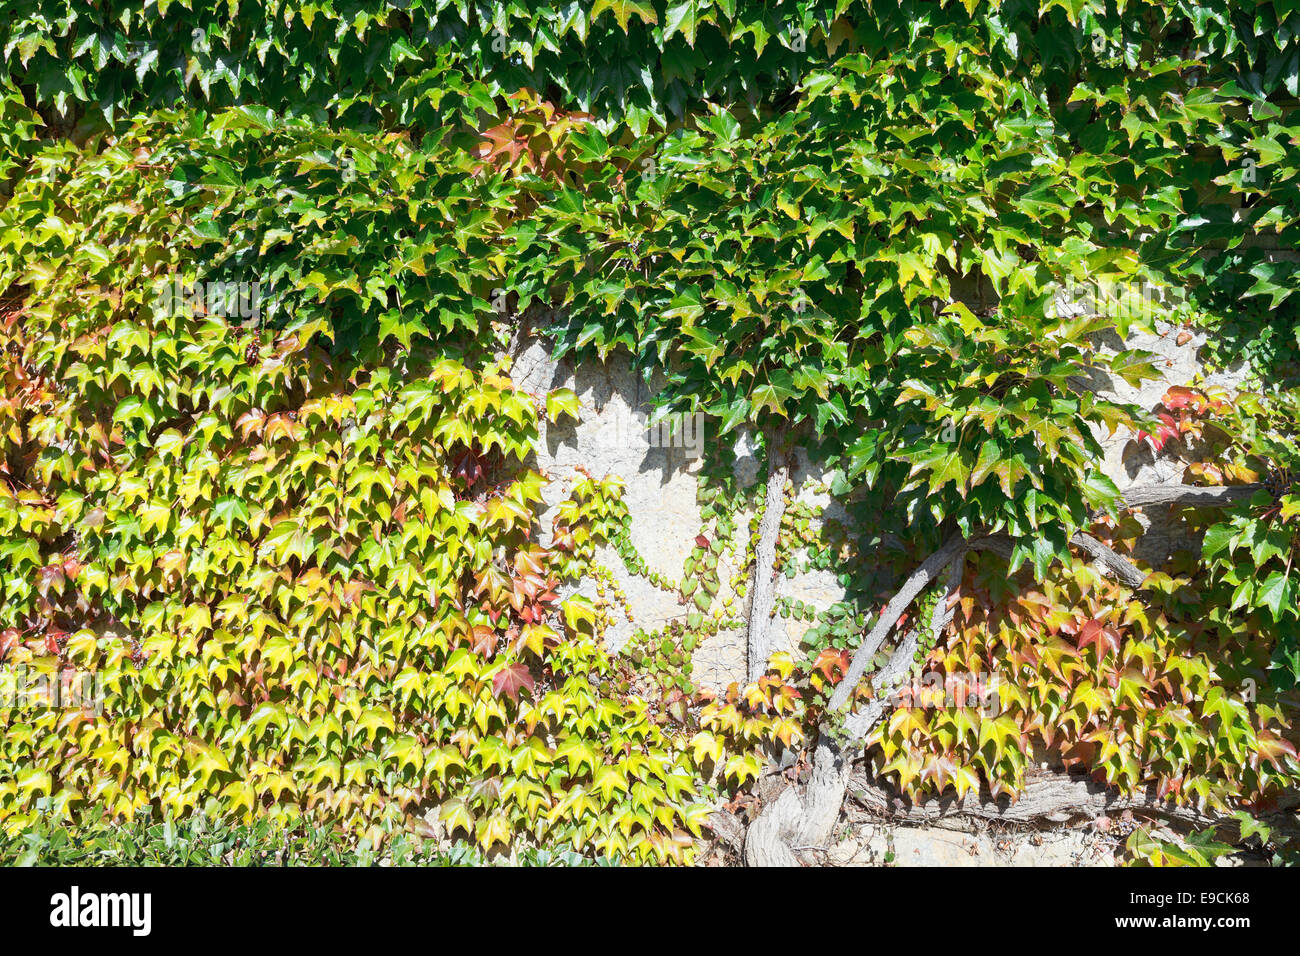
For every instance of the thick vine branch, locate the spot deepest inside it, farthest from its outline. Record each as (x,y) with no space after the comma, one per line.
(1154,495)
(953,548)
(807,819)
(1123,569)
(858,725)
(762,588)
(1046,795)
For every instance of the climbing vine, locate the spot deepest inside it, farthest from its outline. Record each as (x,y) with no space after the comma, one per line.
(266,478)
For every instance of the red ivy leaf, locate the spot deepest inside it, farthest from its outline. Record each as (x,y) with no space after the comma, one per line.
(1179,396)
(1094,633)
(468,469)
(510,679)
(832,664)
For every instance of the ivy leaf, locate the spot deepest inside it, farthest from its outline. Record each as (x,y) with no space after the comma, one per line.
(623,11)
(510,680)
(1134,366)
(562,401)
(1098,633)
(579,613)
(945,464)
(230,509)
(1099,491)
(1217,538)
(1277,592)
(682,17)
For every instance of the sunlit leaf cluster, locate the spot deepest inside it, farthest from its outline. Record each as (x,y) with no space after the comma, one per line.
(303,572)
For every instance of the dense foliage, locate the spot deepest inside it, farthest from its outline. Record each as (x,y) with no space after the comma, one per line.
(305,579)
(290,522)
